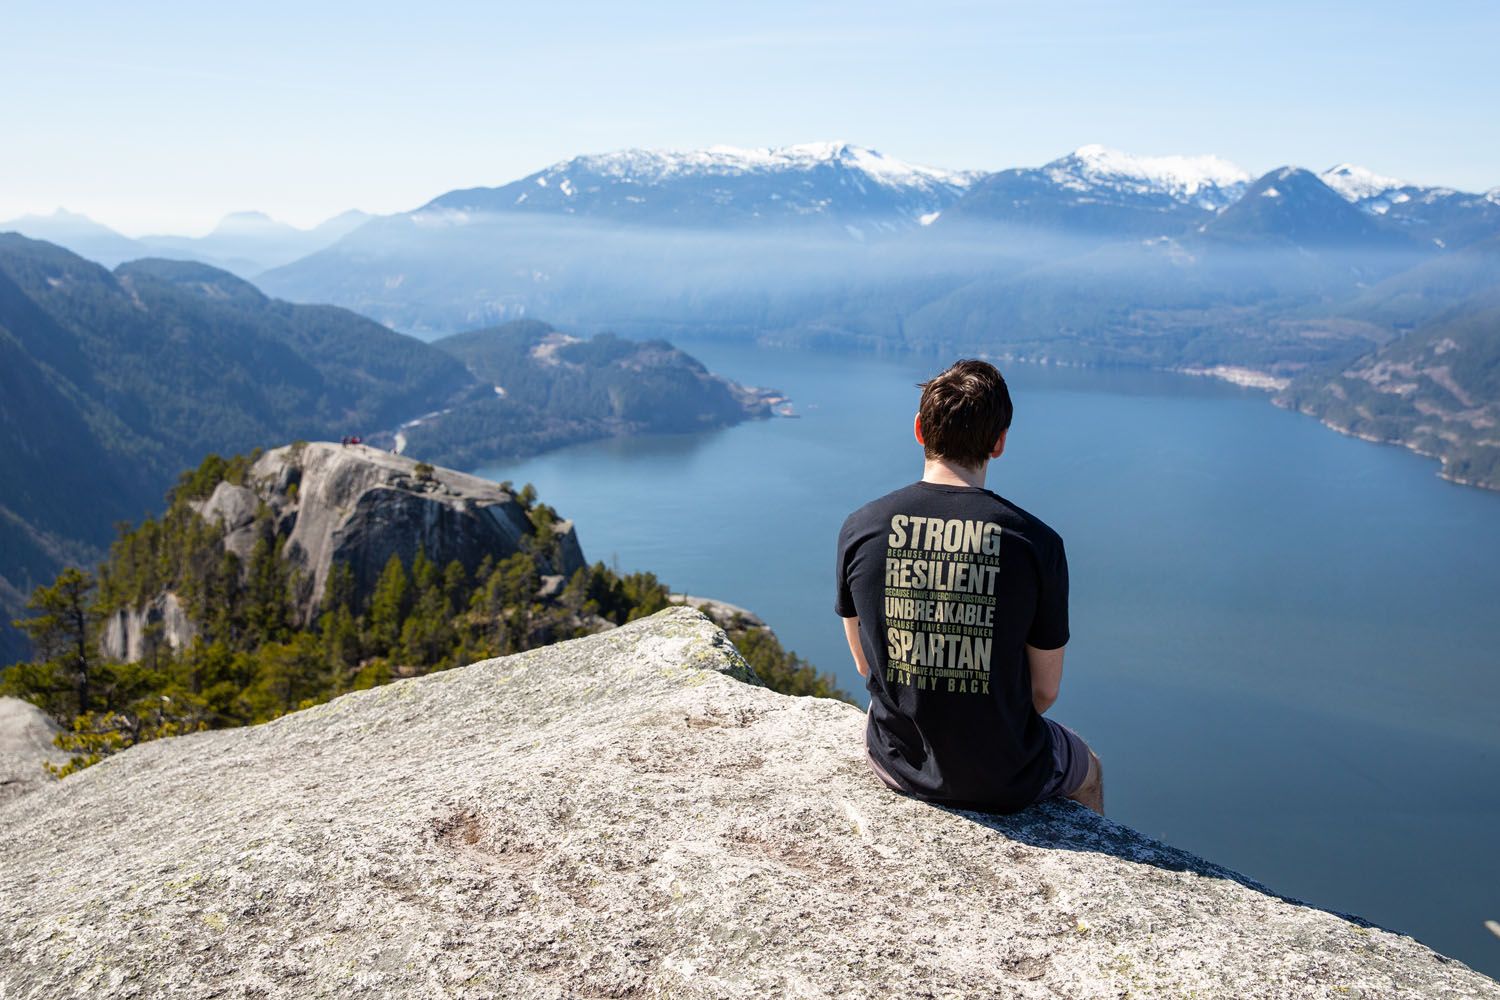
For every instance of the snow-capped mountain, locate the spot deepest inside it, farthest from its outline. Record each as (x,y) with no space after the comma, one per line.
(1439,215)
(1205,181)
(819,182)
(1103,192)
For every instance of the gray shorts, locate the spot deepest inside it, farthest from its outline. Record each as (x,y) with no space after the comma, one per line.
(1070,762)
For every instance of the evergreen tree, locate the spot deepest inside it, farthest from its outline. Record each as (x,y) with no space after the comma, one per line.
(65,632)
(780,669)
(289,675)
(388,605)
(269,615)
(455,584)
(427,635)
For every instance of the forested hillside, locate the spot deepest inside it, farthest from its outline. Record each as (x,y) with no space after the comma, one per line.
(1436,391)
(549,389)
(112,381)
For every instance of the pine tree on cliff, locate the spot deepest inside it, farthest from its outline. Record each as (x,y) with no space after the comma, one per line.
(65,632)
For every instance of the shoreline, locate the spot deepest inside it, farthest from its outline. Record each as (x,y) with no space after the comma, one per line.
(1415,449)
(1249,378)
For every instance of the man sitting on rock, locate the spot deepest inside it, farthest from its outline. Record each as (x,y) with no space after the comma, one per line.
(955,605)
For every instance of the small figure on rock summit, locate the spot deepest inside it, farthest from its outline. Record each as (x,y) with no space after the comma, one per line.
(955,605)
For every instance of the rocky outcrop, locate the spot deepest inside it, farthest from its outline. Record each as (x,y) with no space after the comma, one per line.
(128,631)
(723,614)
(623,815)
(357,505)
(26,734)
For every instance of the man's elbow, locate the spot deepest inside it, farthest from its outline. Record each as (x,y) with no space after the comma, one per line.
(1044,697)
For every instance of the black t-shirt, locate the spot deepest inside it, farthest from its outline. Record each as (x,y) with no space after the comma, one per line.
(951,583)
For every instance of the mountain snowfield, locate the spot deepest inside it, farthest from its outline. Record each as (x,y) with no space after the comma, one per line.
(1358,183)
(1203,180)
(812,182)
(921,191)
(654,166)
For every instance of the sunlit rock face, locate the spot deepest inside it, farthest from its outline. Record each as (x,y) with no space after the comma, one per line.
(628,814)
(349,505)
(356,506)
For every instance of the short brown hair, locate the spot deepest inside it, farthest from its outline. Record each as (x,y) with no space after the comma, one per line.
(964,411)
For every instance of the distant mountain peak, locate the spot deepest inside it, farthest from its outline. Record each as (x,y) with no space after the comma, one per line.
(1357,183)
(250,223)
(348,215)
(76,232)
(1208,180)
(60,214)
(1293,206)
(59,218)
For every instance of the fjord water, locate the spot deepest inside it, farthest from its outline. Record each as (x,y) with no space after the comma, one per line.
(1286,643)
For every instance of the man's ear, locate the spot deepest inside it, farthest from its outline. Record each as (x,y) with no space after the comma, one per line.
(1000,444)
(916,429)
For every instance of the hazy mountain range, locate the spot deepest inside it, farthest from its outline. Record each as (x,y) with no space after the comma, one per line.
(244,243)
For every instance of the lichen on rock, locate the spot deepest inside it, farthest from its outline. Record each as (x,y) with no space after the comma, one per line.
(620,815)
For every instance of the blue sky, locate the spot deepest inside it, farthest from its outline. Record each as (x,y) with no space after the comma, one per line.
(164,116)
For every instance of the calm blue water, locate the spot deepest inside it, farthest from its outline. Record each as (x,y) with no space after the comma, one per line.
(1286,645)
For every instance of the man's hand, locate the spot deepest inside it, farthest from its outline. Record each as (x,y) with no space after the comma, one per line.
(851,632)
(1046,675)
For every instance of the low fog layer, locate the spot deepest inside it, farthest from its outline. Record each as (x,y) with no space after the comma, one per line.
(1026,291)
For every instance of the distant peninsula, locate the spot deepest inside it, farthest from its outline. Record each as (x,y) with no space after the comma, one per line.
(544,388)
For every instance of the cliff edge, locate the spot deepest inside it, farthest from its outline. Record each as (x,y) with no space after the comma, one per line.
(627,814)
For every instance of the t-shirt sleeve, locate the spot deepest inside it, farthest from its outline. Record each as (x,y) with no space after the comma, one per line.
(1049,628)
(843,602)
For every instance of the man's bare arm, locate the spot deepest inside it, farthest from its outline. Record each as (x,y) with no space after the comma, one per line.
(851,632)
(1046,675)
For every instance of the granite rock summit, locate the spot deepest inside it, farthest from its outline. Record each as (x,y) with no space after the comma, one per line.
(355,506)
(627,814)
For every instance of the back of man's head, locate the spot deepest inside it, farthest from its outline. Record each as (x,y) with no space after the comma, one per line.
(964,411)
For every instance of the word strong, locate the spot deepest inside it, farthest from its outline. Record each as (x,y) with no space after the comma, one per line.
(941,578)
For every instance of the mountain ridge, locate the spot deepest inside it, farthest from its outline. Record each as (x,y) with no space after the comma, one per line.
(246,242)
(838,180)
